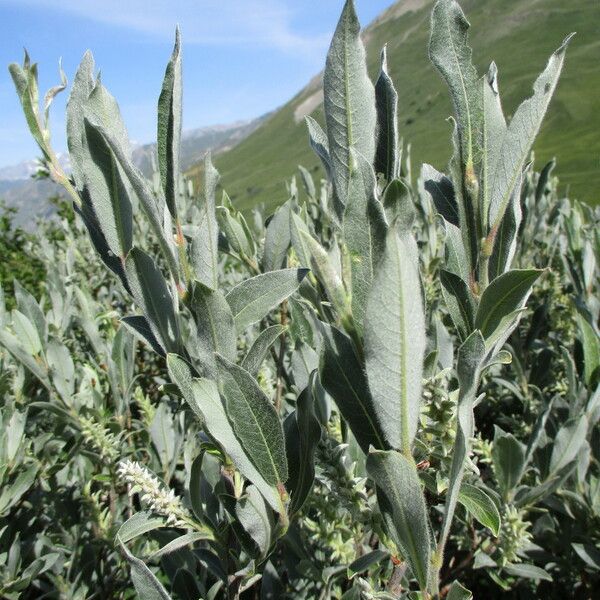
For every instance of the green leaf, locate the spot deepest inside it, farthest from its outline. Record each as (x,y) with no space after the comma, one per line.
(302,434)
(526,571)
(62,369)
(471,355)
(588,554)
(494,130)
(146,584)
(255,421)
(205,242)
(232,227)
(215,327)
(395,339)
(257,353)
(508,456)
(591,351)
(26,333)
(450,53)
(402,505)
(481,506)
(169,128)
(349,99)
(319,143)
(138,524)
(567,443)
(13,492)
(202,395)
(277,239)
(441,191)
(325,271)
(366,561)
(140,328)
(151,294)
(457,259)
(301,329)
(505,244)
(146,196)
(181,542)
(520,135)
(105,190)
(343,378)
(25,80)
(21,354)
(458,592)
(459,302)
(387,155)
(253,299)
(255,517)
(505,295)
(364,234)
(28,305)
(298,235)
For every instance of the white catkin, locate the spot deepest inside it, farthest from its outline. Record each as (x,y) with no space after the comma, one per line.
(152,493)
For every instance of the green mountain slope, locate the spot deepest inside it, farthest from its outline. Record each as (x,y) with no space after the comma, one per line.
(519,35)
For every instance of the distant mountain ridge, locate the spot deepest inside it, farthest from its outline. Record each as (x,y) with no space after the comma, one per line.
(519,35)
(30,196)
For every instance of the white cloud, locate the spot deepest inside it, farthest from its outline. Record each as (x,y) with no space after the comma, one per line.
(267,23)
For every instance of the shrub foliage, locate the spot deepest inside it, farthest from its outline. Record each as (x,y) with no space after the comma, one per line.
(387,389)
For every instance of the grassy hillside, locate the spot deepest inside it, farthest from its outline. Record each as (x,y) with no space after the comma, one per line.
(518,34)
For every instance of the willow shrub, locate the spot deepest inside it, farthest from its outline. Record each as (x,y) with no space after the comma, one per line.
(337,354)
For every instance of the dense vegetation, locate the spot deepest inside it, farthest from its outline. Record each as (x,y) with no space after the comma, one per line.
(388,388)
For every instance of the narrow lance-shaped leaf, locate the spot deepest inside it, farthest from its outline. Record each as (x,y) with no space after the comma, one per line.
(152,296)
(505,245)
(251,300)
(481,506)
(145,582)
(277,239)
(364,231)
(324,269)
(15,347)
(569,440)
(147,200)
(28,305)
(349,99)
(205,244)
(451,55)
(520,135)
(470,359)
(387,159)
(25,80)
(459,302)
(505,295)
(258,351)
(494,130)
(508,456)
(441,191)
(302,433)
(26,333)
(402,504)
(107,193)
(96,171)
(343,377)
(319,143)
(395,339)
(255,421)
(203,398)
(169,128)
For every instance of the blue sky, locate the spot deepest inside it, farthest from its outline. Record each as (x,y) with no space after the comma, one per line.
(242,58)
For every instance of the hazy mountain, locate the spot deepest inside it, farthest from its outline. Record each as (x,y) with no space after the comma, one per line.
(520,35)
(30,196)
